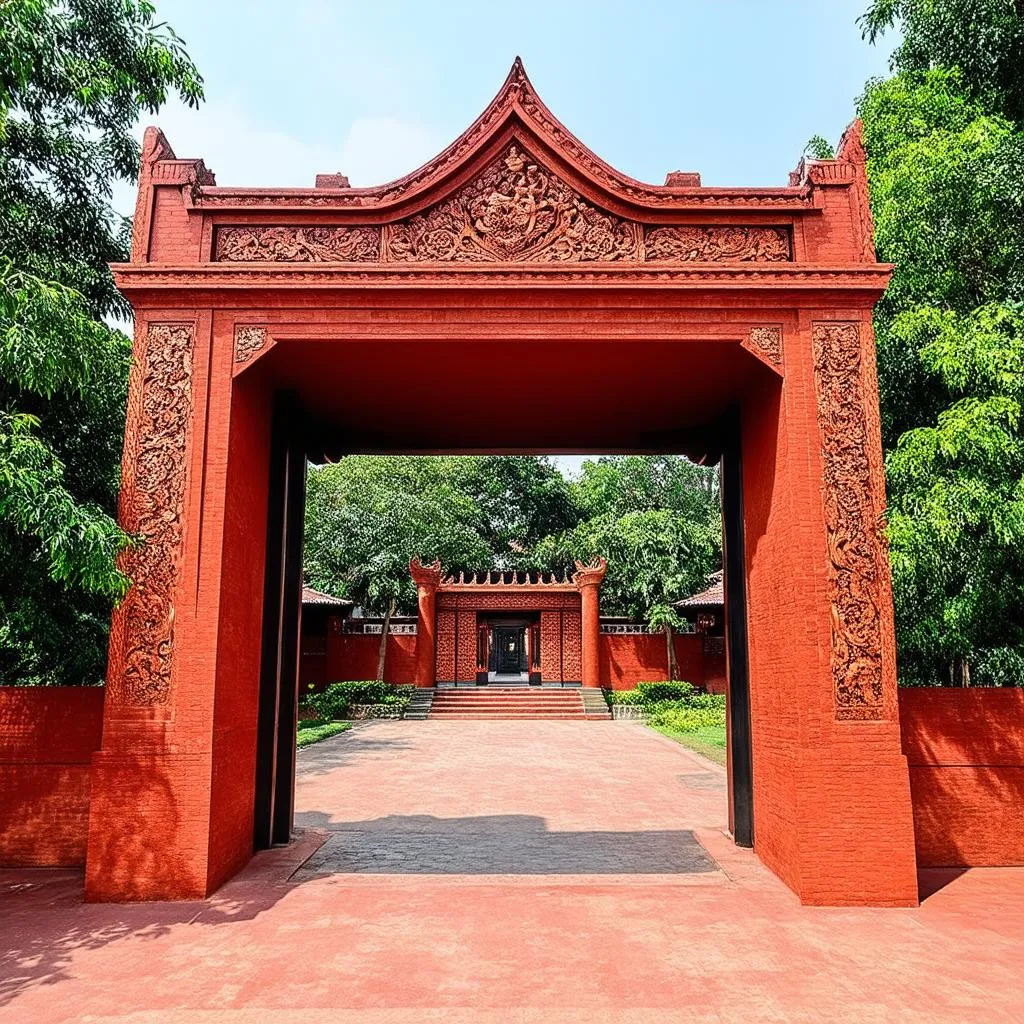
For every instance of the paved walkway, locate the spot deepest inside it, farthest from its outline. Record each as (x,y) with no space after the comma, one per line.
(509,872)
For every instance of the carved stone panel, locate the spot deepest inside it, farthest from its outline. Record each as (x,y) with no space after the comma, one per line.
(152,508)
(850,522)
(551,647)
(466,626)
(516,210)
(572,647)
(287,244)
(513,601)
(445,657)
(249,341)
(767,343)
(718,244)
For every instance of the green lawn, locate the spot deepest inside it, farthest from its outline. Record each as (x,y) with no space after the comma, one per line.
(313,730)
(708,740)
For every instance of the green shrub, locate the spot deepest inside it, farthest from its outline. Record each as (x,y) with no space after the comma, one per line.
(682,716)
(655,693)
(707,700)
(614,697)
(334,702)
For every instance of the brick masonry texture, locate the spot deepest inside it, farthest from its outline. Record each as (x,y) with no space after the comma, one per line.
(966,754)
(47,739)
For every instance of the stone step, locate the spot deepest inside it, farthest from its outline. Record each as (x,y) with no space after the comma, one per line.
(483,716)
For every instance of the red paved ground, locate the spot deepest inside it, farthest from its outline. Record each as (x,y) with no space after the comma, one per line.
(695,943)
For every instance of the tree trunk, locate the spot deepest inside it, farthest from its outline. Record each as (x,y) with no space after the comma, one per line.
(382,655)
(670,648)
(960,672)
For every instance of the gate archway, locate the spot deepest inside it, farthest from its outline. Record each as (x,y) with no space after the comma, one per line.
(624,317)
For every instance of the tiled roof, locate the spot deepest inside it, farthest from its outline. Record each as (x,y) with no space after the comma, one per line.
(713,596)
(311,596)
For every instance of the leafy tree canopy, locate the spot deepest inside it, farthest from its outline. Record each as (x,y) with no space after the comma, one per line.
(946,175)
(75,77)
(983,38)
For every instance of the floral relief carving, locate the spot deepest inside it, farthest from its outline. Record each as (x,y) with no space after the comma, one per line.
(249,341)
(153,509)
(444,659)
(516,210)
(572,647)
(551,647)
(297,244)
(768,342)
(718,244)
(853,542)
(466,646)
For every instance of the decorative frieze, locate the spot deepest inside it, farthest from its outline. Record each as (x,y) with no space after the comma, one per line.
(516,211)
(152,509)
(292,244)
(850,522)
(717,244)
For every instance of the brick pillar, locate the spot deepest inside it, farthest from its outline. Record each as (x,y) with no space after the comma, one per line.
(588,581)
(831,792)
(427,579)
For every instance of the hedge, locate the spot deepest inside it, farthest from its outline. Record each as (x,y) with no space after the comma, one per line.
(334,702)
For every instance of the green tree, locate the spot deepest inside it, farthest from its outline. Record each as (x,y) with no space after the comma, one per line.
(74,79)
(946,174)
(984,39)
(367,516)
(522,498)
(657,522)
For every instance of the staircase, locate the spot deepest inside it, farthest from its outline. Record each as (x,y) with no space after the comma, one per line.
(526,703)
(419,704)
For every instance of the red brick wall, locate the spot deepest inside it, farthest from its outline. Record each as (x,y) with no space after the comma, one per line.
(965,749)
(628,658)
(353,656)
(47,738)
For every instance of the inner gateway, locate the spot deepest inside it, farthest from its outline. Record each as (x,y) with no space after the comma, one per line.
(510,647)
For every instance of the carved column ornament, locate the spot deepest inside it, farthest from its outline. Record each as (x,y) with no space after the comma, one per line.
(152,508)
(248,341)
(850,522)
(767,343)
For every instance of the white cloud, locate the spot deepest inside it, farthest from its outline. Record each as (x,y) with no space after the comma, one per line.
(240,152)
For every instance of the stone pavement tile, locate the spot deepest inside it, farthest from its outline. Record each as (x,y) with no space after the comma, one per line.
(729,945)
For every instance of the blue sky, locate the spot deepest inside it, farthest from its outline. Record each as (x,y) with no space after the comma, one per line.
(730,88)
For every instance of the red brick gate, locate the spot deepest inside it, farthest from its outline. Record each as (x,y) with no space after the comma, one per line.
(724,323)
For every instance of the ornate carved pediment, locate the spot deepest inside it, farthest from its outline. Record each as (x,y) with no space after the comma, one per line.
(515,211)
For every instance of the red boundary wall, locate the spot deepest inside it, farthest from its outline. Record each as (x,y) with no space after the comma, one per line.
(47,738)
(965,749)
(625,659)
(353,656)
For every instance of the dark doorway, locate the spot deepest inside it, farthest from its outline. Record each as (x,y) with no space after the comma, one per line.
(508,651)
